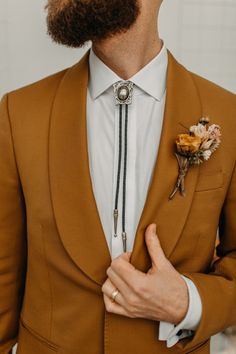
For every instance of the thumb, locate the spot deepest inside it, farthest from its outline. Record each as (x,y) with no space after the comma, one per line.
(155,250)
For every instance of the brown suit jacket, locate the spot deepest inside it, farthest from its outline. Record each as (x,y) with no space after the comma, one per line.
(53,252)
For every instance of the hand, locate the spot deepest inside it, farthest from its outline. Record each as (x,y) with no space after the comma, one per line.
(160,294)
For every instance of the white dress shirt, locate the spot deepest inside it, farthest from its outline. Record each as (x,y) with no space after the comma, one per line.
(145,118)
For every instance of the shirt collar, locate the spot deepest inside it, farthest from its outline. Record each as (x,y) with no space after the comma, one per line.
(151,78)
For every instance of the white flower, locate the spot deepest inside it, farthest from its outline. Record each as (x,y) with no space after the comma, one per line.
(206,154)
(207,144)
(199,130)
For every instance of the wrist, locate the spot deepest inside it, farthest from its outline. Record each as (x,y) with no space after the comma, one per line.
(183,303)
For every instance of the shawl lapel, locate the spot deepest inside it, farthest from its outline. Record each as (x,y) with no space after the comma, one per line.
(73,201)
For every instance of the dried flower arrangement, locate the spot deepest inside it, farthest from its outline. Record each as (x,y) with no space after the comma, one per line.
(194,148)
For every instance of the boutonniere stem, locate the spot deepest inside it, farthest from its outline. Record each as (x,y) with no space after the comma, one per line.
(183,169)
(194,148)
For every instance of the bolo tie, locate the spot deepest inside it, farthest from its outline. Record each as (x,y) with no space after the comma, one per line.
(123,91)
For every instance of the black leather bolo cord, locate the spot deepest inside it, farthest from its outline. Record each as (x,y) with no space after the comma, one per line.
(123,94)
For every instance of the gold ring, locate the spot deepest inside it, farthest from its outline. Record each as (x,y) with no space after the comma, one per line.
(114,294)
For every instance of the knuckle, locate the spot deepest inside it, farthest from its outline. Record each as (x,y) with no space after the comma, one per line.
(115,263)
(108,271)
(142,289)
(109,307)
(145,295)
(136,288)
(131,300)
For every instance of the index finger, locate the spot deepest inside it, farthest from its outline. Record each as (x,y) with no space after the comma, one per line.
(125,270)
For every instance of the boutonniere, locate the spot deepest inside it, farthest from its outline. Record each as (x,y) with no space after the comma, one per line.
(194,148)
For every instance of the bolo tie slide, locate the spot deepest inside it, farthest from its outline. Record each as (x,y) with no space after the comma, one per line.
(123,97)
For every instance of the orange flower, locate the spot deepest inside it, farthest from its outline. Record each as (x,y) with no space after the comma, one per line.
(187,143)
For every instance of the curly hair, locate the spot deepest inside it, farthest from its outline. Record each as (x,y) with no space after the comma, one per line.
(74,22)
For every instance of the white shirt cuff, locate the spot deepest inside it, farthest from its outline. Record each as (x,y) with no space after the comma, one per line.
(173,333)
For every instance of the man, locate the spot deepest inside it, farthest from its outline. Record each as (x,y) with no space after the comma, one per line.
(79,272)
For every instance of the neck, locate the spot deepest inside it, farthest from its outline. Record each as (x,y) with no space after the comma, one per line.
(127,53)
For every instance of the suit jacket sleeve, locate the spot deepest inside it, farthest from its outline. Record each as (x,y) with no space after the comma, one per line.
(217,288)
(12,236)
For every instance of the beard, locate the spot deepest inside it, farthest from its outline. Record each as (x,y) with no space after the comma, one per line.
(74,22)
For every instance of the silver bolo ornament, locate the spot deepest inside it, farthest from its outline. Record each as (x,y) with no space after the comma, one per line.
(123,92)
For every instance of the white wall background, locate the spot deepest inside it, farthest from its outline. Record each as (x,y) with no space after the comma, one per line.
(200,33)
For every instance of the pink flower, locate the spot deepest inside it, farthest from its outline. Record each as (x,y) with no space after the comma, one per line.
(214,132)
